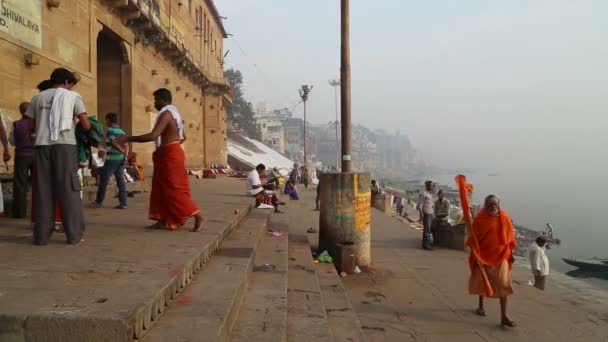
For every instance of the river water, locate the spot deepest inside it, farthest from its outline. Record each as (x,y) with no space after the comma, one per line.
(574,206)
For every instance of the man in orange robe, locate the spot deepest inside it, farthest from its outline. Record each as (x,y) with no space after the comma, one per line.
(171,203)
(492,241)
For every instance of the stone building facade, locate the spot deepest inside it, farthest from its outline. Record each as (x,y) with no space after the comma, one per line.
(123,50)
(271,131)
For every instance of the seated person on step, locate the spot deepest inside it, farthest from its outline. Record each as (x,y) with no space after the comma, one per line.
(263,194)
(291,190)
(442,214)
(134,169)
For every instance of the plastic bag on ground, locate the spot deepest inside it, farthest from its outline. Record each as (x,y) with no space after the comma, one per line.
(325,257)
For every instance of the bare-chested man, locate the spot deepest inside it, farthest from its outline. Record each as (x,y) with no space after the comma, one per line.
(171,204)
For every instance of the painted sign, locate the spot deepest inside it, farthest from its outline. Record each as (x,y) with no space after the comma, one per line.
(22,20)
(363,211)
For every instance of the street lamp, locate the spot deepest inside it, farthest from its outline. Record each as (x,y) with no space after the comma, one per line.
(335,84)
(304,91)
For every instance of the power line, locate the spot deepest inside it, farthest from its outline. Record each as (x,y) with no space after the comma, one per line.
(267,78)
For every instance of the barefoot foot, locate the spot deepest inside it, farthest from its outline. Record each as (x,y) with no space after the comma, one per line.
(506,322)
(157,225)
(199,222)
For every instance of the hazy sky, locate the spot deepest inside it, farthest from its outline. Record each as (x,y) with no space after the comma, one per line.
(517,81)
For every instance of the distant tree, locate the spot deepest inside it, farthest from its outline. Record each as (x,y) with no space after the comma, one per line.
(241,113)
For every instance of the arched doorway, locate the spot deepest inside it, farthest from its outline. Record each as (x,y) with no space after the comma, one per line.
(113,78)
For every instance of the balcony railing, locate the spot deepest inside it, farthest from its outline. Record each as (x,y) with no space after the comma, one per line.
(143,17)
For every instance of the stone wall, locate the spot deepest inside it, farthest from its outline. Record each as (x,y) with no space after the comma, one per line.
(129,69)
(383,203)
(449,236)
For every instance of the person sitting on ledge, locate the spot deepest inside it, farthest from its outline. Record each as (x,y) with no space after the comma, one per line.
(291,190)
(262,193)
(134,168)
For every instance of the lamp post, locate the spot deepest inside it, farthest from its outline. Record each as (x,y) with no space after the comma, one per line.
(304,92)
(335,84)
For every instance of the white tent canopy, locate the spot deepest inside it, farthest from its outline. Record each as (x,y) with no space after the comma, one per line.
(252,152)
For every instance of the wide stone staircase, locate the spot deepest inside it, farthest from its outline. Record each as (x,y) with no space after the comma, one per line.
(234,281)
(258,286)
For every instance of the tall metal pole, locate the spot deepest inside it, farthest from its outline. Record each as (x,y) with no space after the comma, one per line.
(305,152)
(304,91)
(336,123)
(336,84)
(345,100)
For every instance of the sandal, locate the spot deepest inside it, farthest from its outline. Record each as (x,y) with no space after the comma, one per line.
(508,323)
(481,312)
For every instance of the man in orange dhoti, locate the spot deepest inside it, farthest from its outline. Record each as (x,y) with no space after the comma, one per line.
(492,241)
(171,203)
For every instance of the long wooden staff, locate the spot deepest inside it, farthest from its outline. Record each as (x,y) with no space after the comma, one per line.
(463,189)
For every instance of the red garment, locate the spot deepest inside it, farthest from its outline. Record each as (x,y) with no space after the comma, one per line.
(170,199)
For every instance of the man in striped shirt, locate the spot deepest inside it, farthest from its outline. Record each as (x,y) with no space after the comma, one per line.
(114,164)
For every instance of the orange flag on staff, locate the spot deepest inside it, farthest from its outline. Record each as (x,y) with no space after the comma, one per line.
(464,189)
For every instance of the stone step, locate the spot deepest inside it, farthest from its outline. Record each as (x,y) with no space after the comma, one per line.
(112,288)
(306,317)
(263,314)
(207,308)
(343,321)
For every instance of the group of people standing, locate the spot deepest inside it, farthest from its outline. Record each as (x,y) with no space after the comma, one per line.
(432,212)
(46,141)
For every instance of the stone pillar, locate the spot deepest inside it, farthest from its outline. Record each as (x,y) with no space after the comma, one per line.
(346,214)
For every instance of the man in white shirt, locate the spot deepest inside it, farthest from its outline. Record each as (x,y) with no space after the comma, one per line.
(539,262)
(259,191)
(53,113)
(253,182)
(426,207)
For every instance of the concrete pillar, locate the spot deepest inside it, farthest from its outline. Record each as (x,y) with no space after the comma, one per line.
(346,214)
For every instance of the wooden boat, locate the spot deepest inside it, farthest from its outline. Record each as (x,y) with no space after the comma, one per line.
(594,264)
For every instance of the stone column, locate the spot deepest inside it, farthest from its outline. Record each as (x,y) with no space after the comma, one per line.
(345,216)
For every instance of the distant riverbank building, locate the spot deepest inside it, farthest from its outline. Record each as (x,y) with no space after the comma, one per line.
(123,50)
